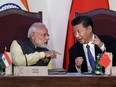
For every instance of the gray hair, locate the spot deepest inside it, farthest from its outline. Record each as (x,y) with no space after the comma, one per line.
(34,28)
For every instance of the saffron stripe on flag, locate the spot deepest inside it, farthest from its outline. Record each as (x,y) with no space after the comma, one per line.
(25,4)
(7,57)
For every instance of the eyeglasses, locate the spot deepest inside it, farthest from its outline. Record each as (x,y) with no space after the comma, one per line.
(42,35)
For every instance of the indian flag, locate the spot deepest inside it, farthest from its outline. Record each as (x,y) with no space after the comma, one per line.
(5,60)
(19,4)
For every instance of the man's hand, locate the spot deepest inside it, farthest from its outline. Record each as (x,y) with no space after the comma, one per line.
(97,41)
(51,53)
(79,61)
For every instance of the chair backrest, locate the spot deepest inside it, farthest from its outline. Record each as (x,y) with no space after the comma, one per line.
(14,24)
(104,21)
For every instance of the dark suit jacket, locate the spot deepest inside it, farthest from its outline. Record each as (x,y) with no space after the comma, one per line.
(28,47)
(77,51)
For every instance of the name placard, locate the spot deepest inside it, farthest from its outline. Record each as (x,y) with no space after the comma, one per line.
(108,70)
(114,71)
(30,71)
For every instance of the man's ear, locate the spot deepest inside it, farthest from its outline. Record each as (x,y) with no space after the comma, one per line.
(90,28)
(32,35)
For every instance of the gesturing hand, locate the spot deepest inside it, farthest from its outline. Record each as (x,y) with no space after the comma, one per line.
(97,41)
(51,53)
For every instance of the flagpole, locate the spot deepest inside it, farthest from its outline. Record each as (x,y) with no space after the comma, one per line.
(5,48)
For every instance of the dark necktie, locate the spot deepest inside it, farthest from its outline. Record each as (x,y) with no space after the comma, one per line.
(90,57)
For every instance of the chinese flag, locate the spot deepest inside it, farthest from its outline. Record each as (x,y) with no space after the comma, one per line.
(79,6)
(105,60)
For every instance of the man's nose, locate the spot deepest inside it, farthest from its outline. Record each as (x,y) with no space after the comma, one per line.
(47,37)
(77,35)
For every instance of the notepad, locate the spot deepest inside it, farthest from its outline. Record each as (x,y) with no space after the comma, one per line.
(56,71)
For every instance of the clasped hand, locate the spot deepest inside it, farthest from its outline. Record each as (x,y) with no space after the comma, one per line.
(79,61)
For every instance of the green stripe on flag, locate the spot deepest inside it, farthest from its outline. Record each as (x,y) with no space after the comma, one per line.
(2,65)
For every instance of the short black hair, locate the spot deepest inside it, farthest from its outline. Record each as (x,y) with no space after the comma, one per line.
(84,20)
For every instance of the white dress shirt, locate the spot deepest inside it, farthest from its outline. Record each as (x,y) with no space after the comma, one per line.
(92,49)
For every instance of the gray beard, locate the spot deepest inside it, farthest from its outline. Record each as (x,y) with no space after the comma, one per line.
(39,44)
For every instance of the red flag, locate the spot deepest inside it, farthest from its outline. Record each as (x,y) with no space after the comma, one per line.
(105,60)
(79,6)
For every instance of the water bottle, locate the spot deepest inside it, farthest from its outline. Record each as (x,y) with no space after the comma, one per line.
(98,68)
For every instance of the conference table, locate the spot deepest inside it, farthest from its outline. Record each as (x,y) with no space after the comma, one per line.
(64,80)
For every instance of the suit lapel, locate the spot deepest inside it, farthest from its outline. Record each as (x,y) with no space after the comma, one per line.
(97,51)
(84,65)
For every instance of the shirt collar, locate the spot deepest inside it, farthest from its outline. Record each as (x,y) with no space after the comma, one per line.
(90,43)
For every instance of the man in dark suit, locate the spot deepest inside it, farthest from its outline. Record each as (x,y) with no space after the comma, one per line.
(79,60)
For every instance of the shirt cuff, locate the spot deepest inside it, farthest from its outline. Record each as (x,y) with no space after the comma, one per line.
(103,48)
